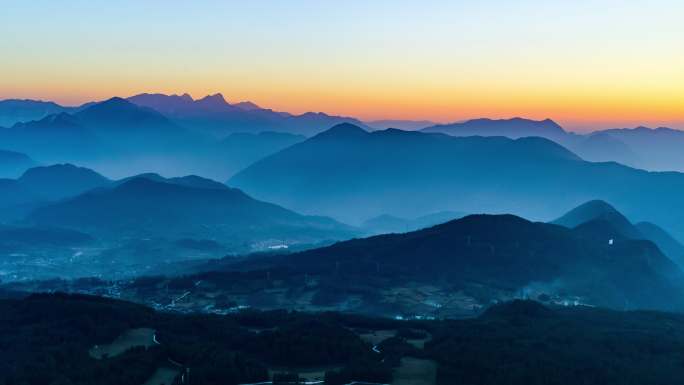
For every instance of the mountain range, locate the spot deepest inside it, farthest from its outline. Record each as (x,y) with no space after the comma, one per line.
(176,208)
(111,129)
(490,257)
(121,138)
(40,185)
(148,205)
(218,117)
(511,128)
(14,111)
(646,148)
(210,114)
(358,175)
(211,119)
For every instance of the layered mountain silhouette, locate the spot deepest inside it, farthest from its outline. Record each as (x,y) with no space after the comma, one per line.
(597,147)
(14,111)
(149,205)
(213,114)
(512,128)
(40,185)
(121,138)
(600,219)
(248,106)
(603,147)
(117,138)
(101,130)
(503,251)
(193,181)
(191,207)
(651,149)
(358,175)
(117,116)
(13,164)
(599,211)
(62,180)
(57,137)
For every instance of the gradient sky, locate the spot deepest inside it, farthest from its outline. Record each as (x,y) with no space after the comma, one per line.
(586,64)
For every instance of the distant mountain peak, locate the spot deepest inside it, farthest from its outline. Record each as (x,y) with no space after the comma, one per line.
(187,97)
(247,106)
(551,122)
(110,105)
(122,115)
(588,211)
(215,100)
(598,205)
(518,120)
(513,128)
(192,181)
(598,213)
(60,168)
(116,100)
(343,130)
(61,180)
(140,181)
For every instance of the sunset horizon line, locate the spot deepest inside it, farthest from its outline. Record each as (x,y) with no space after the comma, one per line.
(569,123)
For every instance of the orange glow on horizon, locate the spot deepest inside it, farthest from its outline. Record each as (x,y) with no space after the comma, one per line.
(576,112)
(584,64)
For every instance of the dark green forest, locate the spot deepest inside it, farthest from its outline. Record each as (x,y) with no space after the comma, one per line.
(45,338)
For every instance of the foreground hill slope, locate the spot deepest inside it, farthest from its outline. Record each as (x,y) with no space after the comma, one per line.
(502,252)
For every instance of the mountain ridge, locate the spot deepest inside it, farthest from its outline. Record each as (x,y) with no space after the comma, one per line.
(143,207)
(498,252)
(600,214)
(532,177)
